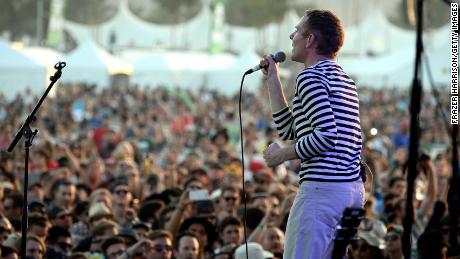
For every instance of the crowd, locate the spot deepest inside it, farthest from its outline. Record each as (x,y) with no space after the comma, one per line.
(157,173)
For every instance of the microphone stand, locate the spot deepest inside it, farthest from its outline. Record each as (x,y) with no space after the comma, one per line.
(415,104)
(29,136)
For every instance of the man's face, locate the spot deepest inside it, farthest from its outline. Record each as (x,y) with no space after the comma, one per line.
(39,231)
(392,242)
(230,199)
(65,195)
(63,219)
(399,188)
(121,195)
(188,248)
(34,250)
(199,231)
(162,249)
(273,240)
(232,234)
(299,41)
(10,211)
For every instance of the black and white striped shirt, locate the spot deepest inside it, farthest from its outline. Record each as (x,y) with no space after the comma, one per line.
(325,123)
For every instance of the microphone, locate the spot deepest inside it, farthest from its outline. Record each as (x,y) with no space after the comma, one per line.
(278,57)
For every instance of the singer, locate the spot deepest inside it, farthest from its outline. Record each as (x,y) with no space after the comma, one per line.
(324,122)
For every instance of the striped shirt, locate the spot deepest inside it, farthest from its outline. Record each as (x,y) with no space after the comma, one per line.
(325,123)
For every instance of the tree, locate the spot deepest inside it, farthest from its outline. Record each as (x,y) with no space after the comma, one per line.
(254,13)
(90,12)
(435,14)
(165,11)
(19,18)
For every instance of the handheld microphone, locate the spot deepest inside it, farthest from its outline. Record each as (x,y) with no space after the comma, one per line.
(278,57)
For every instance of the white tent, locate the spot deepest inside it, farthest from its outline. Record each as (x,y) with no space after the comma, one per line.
(227,79)
(397,68)
(18,72)
(189,70)
(45,56)
(92,64)
(152,71)
(48,58)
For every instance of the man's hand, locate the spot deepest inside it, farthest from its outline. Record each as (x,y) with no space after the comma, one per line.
(270,69)
(273,155)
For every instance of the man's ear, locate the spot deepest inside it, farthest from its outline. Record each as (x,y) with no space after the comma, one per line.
(311,39)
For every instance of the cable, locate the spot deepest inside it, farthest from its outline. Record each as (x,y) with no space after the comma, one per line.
(372,178)
(242,167)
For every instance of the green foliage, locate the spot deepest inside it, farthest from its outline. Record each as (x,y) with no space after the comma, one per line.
(254,13)
(19,17)
(165,11)
(435,14)
(90,12)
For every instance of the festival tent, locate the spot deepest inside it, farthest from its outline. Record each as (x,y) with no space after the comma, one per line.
(45,56)
(48,58)
(151,71)
(89,63)
(397,68)
(18,72)
(190,70)
(227,80)
(391,70)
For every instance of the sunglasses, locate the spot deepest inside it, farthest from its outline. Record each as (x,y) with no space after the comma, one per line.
(121,192)
(357,247)
(230,198)
(161,248)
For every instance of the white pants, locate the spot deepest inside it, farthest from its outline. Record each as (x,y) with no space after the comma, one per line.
(314,215)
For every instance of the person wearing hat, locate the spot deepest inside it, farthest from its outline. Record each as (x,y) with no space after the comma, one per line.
(98,212)
(142,229)
(38,225)
(370,245)
(255,251)
(129,235)
(38,207)
(59,243)
(393,242)
(60,216)
(149,212)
